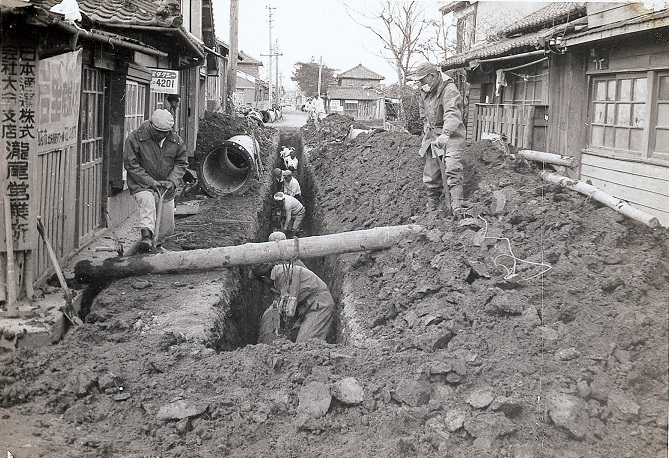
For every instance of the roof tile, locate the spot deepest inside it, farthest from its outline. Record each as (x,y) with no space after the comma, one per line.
(361,72)
(548,16)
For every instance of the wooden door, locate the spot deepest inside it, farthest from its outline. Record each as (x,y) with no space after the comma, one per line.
(90,182)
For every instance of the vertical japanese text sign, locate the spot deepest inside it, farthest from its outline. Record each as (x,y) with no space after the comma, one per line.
(18,137)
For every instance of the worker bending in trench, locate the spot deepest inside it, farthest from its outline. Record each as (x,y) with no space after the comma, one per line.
(305,306)
(293,213)
(155,158)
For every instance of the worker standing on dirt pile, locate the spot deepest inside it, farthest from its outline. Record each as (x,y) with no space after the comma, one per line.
(291,161)
(319,108)
(440,108)
(155,158)
(291,187)
(293,213)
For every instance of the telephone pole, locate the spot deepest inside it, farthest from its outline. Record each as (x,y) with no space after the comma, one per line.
(270,8)
(231,86)
(278,85)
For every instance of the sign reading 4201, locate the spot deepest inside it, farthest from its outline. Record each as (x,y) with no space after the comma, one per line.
(164,81)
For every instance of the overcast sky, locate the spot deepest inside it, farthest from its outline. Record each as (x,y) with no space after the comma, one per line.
(306,29)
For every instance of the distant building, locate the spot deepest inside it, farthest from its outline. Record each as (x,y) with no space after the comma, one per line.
(357,94)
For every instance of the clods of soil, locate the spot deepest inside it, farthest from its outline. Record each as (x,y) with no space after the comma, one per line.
(535,328)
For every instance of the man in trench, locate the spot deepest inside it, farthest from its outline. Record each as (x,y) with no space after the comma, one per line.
(313,316)
(293,213)
(440,108)
(291,187)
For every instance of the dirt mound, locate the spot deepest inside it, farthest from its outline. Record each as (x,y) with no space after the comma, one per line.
(332,128)
(214,128)
(469,351)
(590,333)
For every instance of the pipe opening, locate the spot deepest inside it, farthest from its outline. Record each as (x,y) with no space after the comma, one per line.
(230,167)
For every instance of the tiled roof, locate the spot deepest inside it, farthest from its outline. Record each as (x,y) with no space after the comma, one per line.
(249,60)
(352,93)
(548,16)
(361,72)
(528,42)
(122,12)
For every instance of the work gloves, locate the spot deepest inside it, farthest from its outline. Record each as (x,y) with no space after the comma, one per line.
(159,186)
(441,141)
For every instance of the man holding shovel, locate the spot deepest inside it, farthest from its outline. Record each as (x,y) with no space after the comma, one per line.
(440,108)
(155,158)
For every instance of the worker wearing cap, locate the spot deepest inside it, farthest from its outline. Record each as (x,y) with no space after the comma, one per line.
(314,315)
(440,107)
(293,211)
(291,187)
(291,161)
(155,158)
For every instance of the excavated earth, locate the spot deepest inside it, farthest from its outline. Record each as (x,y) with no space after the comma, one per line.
(535,328)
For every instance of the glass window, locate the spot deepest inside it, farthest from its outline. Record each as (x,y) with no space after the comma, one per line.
(663,90)
(611,93)
(624,88)
(623,115)
(639,115)
(640,89)
(600,90)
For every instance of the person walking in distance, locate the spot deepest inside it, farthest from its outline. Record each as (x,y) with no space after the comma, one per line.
(293,213)
(155,158)
(440,107)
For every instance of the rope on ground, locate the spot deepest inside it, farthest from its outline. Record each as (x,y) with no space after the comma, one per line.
(511,272)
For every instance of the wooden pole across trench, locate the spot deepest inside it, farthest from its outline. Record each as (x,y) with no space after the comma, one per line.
(243,255)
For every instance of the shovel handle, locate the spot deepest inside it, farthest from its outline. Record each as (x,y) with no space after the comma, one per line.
(159,215)
(54,261)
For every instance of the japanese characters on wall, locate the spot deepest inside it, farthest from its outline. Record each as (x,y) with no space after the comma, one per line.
(18,137)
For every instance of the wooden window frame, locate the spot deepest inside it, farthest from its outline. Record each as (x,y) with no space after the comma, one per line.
(647,129)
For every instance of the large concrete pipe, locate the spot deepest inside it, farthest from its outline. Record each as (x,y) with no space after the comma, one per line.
(229,167)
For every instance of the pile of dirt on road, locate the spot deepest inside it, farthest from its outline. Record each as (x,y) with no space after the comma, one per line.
(214,128)
(535,328)
(332,128)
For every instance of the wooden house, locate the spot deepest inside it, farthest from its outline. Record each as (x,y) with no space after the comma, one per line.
(357,94)
(79,84)
(252,91)
(589,80)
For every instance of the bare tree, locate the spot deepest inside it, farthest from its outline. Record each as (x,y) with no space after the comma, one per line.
(402,28)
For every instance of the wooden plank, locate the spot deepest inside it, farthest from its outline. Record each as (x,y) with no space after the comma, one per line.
(650,184)
(628,166)
(528,120)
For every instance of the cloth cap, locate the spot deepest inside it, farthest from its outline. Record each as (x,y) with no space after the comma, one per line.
(279,196)
(423,69)
(277,172)
(162,120)
(287,173)
(278,235)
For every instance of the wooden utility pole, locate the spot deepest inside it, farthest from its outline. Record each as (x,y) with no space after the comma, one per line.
(244,255)
(320,72)
(234,52)
(270,8)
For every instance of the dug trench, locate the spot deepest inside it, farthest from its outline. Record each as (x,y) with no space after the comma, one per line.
(458,342)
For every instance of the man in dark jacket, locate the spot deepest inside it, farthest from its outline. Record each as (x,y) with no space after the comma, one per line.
(155,158)
(440,108)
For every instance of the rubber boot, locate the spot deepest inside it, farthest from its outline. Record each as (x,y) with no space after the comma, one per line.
(146,243)
(433,199)
(456,193)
